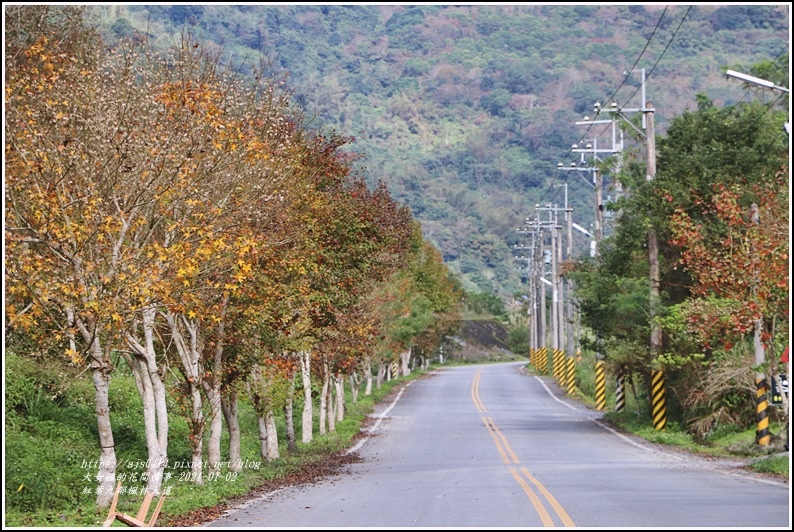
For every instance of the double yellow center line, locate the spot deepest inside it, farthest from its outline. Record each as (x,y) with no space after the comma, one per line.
(509,457)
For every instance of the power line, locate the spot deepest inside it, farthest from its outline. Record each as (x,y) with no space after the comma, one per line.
(645,48)
(668,44)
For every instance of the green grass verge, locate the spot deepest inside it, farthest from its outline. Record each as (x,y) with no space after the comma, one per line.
(49,442)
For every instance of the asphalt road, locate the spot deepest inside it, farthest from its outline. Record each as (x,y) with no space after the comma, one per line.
(488,446)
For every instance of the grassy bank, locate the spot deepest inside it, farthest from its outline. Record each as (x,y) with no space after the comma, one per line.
(51,440)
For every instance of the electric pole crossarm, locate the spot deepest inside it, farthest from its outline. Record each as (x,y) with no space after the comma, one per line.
(619,112)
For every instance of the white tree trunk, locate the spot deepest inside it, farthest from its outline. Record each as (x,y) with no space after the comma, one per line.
(324,398)
(257,399)
(339,381)
(155,414)
(355,385)
(268,436)
(368,375)
(405,358)
(381,374)
(196,435)
(101,367)
(106,475)
(213,394)
(289,422)
(189,348)
(70,321)
(306,418)
(157,468)
(229,407)
(330,404)
(272,436)
(260,420)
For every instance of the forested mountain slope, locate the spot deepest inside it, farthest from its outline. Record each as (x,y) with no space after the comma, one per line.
(465,111)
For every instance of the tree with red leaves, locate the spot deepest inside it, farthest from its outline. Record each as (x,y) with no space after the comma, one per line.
(739,264)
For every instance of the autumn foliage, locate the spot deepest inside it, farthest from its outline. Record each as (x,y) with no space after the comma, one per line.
(165,207)
(740,262)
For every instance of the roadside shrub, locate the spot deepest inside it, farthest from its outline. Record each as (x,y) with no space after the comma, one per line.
(518,339)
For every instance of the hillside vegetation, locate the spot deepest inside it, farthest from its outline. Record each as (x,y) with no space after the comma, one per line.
(465,111)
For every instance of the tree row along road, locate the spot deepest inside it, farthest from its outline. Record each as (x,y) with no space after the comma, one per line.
(490,446)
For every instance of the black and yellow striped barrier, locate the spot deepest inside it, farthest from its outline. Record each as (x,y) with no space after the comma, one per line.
(536,358)
(620,391)
(601,386)
(762,436)
(570,375)
(546,361)
(658,406)
(559,366)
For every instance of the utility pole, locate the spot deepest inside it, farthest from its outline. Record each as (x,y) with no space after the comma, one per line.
(548,330)
(542,335)
(555,338)
(558,305)
(535,295)
(575,315)
(570,349)
(555,320)
(568,355)
(658,406)
(531,293)
(762,436)
(532,321)
(591,148)
(563,284)
(653,244)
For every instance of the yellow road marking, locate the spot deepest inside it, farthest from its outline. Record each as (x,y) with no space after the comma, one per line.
(507,455)
(544,515)
(566,520)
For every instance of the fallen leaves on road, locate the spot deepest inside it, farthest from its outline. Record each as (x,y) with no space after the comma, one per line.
(308,474)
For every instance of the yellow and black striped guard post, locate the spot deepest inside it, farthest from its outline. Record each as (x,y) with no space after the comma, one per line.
(559,366)
(762,436)
(570,375)
(658,406)
(601,388)
(620,390)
